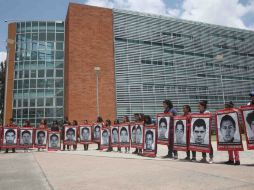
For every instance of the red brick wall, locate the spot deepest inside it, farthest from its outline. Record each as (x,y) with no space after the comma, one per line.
(10,75)
(89,44)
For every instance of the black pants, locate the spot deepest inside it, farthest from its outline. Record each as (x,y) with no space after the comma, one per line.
(210,154)
(193,154)
(7,150)
(86,146)
(68,147)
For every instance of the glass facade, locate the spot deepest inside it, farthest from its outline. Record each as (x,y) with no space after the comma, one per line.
(39,77)
(159,58)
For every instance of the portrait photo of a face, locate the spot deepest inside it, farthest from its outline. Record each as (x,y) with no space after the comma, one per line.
(199,131)
(105,137)
(96,133)
(54,141)
(10,137)
(228,129)
(41,137)
(124,134)
(149,140)
(133,134)
(139,134)
(70,134)
(249,122)
(85,133)
(26,137)
(163,127)
(180,132)
(114,136)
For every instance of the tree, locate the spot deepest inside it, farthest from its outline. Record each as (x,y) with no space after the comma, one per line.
(2,89)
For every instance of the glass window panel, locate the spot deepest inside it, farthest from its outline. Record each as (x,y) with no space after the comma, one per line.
(50,64)
(19,103)
(20,84)
(50,73)
(41,55)
(50,36)
(60,27)
(40,113)
(59,73)
(59,45)
(21,74)
(18,27)
(31,112)
(26,83)
(41,64)
(49,112)
(50,83)
(40,92)
(49,55)
(59,101)
(34,55)
(32,83)
(49,102)
(35,36)
(59,83)
(59,112)
(25,113)
(23,26)
(28,26)
(59,55)
(42,36)
(32,102)
(51,26)
(42,46)
(59,64)
(26,74)
(50,45)
(40,102)
(33,73)
(49,92)
(25,102)
(26,64)
(34,26)
(41,73)
(42,26)
(40,83)
(59,92)
(15,84)
(59,36)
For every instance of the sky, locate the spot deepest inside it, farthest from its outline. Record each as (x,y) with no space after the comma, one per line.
(232,13)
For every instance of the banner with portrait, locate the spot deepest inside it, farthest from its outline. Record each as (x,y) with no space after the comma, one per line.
(114,130)
(248,124)
(105,135)
(124,135)
(163,126)
(10,137)
(54,140)
(150,140)
(180,133)
(200,132)
(228,132)
(85,134)
(41,138)
(97,132)
(26,137)
(137,135)
(70,135)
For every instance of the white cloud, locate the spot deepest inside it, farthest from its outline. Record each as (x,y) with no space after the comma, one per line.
(221,12)
(2,56)
(226,12)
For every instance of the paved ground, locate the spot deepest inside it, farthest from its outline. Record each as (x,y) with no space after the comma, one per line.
(102,170)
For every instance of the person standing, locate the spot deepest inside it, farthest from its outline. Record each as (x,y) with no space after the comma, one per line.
(203,110)
(108,126)
(169,109)
(27,125)
(99,121)
(86,145)
(186,113)
(127,122)
(234,158)
(75,124)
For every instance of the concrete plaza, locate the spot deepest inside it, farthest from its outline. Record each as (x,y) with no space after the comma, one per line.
(95,169)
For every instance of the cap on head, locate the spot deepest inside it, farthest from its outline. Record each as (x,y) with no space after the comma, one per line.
(251,93)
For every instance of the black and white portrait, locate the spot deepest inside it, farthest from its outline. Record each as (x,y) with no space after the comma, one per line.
(26,137)
(180,132)
(249,124)
(133,134)
(228,129)
(10,136)
(199,134)
(139,134)
(54,141)
(85,133)
(41,137)
(163,128)
(105,137)
(70,133)
(96,131)
(149,144)
(124,134)
(114,135)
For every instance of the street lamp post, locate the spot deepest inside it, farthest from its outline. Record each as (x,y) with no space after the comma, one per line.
(97,72)
(220,58)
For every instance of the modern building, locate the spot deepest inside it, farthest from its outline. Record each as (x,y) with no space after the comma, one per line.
(114,63)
